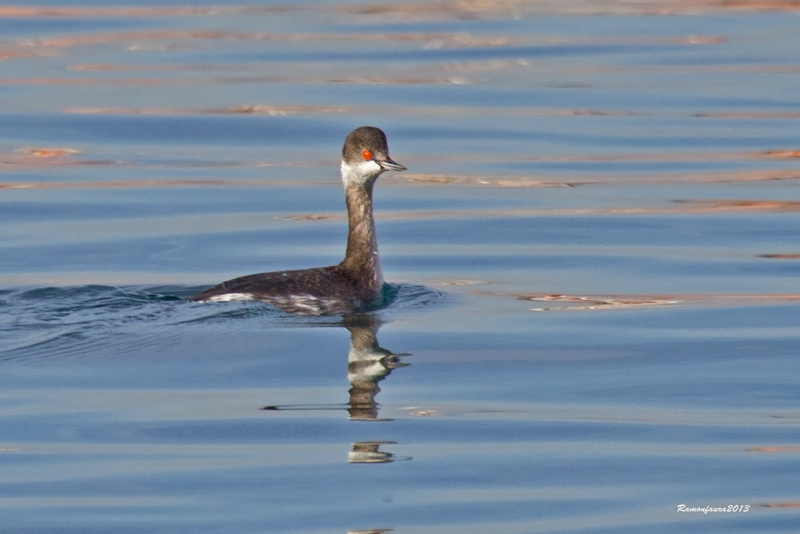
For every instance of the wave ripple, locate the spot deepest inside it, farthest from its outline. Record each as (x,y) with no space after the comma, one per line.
(71,321)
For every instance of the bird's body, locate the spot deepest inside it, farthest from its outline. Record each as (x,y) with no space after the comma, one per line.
(356,284)
(320,291)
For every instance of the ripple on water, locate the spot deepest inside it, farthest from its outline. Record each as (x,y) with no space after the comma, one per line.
(415,297)
(56,322)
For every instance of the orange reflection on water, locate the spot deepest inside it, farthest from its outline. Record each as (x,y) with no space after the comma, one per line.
(444,9)
(125,12)
(47,152)
(27,158)
(473,9)
(779,449)
(610,302)
(752,206)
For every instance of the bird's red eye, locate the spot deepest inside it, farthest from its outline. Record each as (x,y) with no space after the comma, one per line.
(367,154)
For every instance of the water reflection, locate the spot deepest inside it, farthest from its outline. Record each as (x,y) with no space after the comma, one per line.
(368,452)
(367,364)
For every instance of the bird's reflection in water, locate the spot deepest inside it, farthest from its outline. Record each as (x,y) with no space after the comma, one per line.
(368,452)
(367,364)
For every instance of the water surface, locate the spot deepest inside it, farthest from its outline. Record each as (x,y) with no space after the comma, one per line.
(595,252)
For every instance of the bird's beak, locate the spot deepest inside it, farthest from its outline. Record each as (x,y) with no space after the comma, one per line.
(389,165)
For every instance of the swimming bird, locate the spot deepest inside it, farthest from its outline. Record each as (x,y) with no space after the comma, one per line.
(354,285)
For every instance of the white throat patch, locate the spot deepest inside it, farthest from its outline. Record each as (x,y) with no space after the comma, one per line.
(361,172)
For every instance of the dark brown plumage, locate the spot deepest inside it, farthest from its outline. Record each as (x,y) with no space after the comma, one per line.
(356,284)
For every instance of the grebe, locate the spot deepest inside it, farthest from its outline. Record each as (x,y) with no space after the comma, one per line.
(354,285)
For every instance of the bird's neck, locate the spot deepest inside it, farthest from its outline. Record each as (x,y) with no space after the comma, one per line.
(361,259)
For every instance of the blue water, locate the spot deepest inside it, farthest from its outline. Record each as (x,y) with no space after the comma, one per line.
(594,250)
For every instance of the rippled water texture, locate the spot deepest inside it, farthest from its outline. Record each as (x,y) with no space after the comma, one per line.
(595,252)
